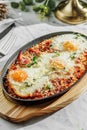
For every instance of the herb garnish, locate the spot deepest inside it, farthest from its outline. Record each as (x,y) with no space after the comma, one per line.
(51,45)
(78,36)
(57,53)
(48,86)
(26,84)
(39,1)
(64,68)
(73,56)
(34,61)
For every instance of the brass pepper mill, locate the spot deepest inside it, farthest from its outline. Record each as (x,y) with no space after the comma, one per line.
(72,11)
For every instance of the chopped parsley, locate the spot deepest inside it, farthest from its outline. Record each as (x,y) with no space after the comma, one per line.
(48,86)
(34,79)
(78,36)
(26,84)
(51,45)
(73,56)
(64,68)
(34,61)
(57,53)
(53,69)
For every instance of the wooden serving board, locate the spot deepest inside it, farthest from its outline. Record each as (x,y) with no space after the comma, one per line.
(18,113)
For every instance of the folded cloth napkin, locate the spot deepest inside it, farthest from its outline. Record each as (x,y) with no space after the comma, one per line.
(72,117)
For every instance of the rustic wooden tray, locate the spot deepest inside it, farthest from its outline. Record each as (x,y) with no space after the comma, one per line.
(18,113)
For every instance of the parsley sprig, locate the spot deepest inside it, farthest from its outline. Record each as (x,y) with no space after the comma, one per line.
(34,61)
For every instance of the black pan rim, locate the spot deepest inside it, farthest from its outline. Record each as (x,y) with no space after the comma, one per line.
(29,44)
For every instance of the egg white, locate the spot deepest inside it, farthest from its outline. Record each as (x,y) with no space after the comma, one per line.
(58,42)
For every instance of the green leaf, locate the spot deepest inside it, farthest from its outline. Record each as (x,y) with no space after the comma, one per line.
(14,5)
(73,56)
(22,5)
(42,10)
(36,8)
(34,61)
(57,53)
(28,2)
(48,87)
(78,36)
(51,4)
(26,84)
(39,1)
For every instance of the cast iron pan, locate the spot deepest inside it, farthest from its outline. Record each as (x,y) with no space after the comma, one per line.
(14,56)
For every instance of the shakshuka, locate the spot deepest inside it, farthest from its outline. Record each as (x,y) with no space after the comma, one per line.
(47,68)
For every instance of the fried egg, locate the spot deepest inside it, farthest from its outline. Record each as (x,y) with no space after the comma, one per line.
(75,42)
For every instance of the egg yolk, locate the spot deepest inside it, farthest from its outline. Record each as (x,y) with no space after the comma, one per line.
(19,75)
(68,46)
(54,63)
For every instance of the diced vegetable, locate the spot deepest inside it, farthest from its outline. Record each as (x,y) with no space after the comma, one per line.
(34,61)
(48,87)
(35,51)
(26,84)
(57,53)
(73,56)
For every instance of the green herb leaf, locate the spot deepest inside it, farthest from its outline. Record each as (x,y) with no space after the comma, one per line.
(57,53)
(51,45)
(53,69)
(22,5)
(39,1)
(78,36)
(73,56)
(48,87)
(42,10)
(29,65)
(28,2)
(14,5)
(26,84)
(51,4)
(36,8)
(34,61)
(64,68)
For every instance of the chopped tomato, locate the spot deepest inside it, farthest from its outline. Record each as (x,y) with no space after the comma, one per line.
(78,72)
(85,55)
(45,45)
(35,51)
(13,67)
(19,58)
(23,60)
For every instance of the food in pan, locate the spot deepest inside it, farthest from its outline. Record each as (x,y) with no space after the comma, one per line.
(48,68)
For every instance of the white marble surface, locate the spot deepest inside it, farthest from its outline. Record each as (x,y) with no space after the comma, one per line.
(72,117)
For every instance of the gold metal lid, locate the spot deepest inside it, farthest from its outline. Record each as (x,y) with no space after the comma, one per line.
(72,11)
